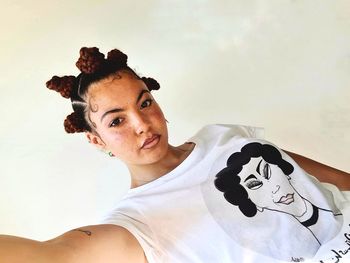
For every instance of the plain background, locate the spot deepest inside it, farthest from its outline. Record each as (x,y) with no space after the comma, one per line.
(282,65)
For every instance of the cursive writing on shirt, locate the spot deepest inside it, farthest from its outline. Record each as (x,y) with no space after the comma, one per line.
(339,255)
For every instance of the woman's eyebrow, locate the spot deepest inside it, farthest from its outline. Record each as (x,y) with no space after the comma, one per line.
(119,110)
(110,111)
(141,94)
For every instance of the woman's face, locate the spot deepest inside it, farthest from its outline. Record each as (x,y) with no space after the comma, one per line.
(128,121)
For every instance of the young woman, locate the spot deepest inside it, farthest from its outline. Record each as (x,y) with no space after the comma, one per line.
(173,211)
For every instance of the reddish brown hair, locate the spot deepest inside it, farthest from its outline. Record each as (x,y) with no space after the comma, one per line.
(94,67)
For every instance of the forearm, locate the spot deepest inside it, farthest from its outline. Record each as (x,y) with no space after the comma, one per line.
(90,244)
(322,172)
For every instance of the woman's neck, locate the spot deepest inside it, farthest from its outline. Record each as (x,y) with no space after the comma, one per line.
(144,174)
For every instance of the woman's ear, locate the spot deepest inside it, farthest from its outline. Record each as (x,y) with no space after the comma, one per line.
(95,140)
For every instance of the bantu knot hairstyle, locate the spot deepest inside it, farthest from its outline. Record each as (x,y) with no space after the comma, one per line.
(151,84)
(116,56)
(228,180)
(73,123)
(63,85)
(90,60)
(93,67)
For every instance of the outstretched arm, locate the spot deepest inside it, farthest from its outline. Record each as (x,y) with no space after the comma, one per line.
(323,172)
(101,243)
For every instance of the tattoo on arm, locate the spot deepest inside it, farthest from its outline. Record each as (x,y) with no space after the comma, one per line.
(84,231)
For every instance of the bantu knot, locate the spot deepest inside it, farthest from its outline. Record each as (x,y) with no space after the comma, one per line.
(63,85)
(90,60)
(117,56)
(74,123)
(151,83)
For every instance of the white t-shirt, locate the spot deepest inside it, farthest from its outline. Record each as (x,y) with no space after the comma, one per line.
(237,198)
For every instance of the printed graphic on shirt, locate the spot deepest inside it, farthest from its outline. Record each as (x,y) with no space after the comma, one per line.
(257,184)
(257,178)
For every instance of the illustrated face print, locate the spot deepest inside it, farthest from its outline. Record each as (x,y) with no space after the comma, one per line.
(269,188)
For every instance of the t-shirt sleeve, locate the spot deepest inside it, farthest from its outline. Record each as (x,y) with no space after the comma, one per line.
(246,131)
(139,230)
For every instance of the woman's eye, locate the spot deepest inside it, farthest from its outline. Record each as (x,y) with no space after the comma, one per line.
(254,184)
(267,171)
(146,103)
(116,122)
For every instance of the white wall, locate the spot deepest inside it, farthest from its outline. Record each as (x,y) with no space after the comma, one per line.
(280,64)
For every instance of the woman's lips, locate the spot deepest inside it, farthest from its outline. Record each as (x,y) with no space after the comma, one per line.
(150,142)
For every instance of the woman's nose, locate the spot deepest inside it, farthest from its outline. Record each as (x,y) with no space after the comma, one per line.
(141,123)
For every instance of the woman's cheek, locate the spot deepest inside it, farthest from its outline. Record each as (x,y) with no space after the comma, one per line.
(114,139)
(121,138)
(158,114)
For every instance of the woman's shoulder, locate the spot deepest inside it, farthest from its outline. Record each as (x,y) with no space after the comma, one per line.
(215,130)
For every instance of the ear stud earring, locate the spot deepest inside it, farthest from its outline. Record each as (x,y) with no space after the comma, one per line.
(110,154)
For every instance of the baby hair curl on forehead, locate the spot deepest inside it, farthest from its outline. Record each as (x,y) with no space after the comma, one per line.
(93,67)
